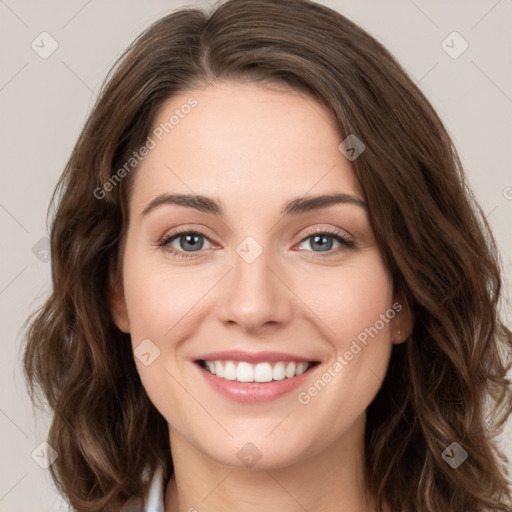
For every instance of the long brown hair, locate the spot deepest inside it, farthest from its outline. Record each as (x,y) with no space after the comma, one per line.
(447,383)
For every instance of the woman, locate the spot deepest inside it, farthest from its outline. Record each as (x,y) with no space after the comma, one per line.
(273,289)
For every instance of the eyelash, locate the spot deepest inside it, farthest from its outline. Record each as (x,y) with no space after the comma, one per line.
(346,243)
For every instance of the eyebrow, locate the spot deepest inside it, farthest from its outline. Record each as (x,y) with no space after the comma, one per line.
(294,206)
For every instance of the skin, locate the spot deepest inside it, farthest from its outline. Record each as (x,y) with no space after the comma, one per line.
(253,148)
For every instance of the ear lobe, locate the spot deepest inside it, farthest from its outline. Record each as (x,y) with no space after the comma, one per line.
(403,322)
(117,304)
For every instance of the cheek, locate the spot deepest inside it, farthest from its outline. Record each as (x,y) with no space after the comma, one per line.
(159,300)
(160,311)
(349,300)
(354,308)
(356,311)
(163,305)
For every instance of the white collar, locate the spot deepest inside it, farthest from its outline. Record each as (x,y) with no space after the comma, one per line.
(155,501)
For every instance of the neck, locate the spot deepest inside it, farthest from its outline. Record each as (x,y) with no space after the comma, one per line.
(332,479)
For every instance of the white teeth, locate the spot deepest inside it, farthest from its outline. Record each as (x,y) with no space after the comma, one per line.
(290,370)
(219,369)
(278,372)
(211,366)
(301,368)
(261,372)
(230,370)
(245,372)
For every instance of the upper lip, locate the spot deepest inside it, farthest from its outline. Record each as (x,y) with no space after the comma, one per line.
(251,357)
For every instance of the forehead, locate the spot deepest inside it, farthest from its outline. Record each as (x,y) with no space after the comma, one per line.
(246,144)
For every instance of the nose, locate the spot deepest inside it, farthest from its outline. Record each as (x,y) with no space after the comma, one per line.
(255,295)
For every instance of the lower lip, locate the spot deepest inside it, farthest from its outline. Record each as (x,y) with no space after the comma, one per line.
(254,391)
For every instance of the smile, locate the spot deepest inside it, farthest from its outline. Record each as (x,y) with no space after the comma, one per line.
(250,377)
(243,371)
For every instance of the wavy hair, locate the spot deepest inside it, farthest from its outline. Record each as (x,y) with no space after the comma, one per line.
(447,383)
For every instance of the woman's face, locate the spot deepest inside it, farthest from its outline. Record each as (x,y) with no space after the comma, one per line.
(267,286)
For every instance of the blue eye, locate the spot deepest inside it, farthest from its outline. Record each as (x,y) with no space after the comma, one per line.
(323,241)
(190,239)
(186,239)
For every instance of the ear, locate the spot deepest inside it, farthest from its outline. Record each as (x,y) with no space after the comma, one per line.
(117,302)
(403,321)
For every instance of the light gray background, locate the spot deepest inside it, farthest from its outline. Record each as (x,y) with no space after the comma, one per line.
(44,103)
